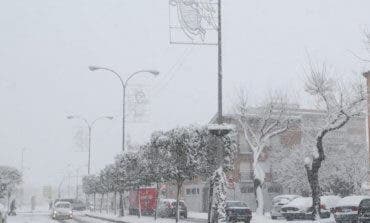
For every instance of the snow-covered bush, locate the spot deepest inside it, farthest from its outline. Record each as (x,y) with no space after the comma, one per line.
(10,178)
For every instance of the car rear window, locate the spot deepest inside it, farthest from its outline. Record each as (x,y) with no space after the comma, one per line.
(63,205)
(181,204)
(365,203)
(236,204)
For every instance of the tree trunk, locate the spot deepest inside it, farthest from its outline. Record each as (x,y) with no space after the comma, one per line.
(139,202)
(108,206)
(94,202)
(121,207)
(157,202)
(115,203)
(210,201)
(313,179)
(179,185)
(259,179)
(101,202)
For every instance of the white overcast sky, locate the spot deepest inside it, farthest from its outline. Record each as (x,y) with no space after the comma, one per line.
(46,47)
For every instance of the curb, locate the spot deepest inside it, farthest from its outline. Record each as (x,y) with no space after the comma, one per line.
(105,219)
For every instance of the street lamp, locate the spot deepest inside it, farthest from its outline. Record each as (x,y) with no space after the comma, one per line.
(89,126)
(124,86)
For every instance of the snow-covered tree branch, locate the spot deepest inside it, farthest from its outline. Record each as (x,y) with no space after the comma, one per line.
(259,126)
(339,103)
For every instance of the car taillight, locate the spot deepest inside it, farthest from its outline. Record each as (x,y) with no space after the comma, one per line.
(354,208)
(338,210)
(249,211)
(169,205)
(322,206)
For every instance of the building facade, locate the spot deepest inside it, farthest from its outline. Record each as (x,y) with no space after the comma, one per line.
(351,136)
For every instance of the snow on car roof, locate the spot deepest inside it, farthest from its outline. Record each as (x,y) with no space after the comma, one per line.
(300,203)
(330,201)
(304,202)
(351,201)
(289,196)
(170,200)
(62,202)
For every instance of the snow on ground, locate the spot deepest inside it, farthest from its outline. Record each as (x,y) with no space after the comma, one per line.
(31,218)
(199,218)
(197,215)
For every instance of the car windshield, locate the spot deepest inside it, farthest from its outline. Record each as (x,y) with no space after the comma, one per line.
(236,204)
(63,205)
(365,203)
(181,204)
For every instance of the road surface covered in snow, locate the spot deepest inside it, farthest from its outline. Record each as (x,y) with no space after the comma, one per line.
(44,217)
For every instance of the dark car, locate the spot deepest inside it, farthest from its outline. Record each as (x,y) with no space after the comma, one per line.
(347,209)
(238,211)
(364,211)
(167,208)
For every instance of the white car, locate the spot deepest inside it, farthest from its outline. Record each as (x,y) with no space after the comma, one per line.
(62,210)
(301,208)
(330,202)
(3,214)
(278,202)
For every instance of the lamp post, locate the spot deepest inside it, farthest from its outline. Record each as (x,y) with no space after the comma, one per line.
(89,126)
(22,159)
(124,87)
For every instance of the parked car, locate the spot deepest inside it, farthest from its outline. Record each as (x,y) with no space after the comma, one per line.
(62,210)
(301,208)
(348,208)
(278,202)
(238,211)
(3,214)
(330,202)
(364,211)
(167,208)
(148,200)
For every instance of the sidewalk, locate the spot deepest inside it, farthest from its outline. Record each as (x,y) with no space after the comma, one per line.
(193,218)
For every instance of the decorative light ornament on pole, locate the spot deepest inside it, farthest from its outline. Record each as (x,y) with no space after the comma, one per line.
(199,22)
(124,86)
(89,126)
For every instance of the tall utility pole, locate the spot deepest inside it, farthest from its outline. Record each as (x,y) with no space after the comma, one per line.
(89,127)
(124,87)
(219,45)
(22,159)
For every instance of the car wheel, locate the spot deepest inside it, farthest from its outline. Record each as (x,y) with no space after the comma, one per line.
(273,217)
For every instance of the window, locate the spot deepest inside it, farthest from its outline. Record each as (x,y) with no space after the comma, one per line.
(275,189)
(192,191)
(246,189)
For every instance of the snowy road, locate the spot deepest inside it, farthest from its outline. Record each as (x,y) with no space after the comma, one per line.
(44,217)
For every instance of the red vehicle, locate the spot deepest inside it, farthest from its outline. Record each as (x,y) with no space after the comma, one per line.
(146,198)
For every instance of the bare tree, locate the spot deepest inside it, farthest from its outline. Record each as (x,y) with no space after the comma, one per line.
(340,103)
(259,126)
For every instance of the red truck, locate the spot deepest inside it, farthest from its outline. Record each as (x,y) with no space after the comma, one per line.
(147,201)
